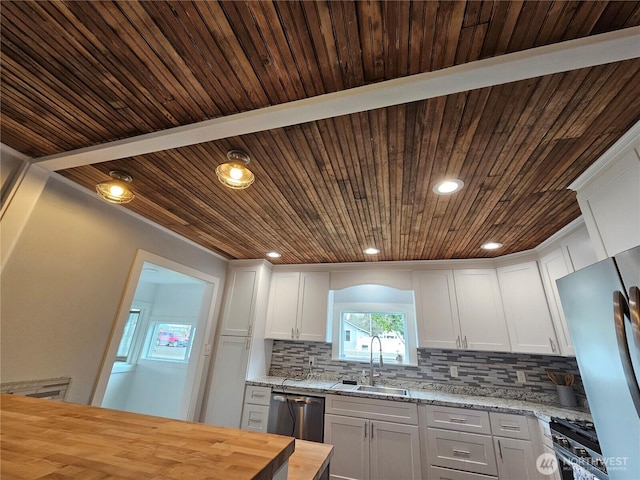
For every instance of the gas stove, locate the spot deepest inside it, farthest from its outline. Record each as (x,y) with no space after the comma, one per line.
(576,443)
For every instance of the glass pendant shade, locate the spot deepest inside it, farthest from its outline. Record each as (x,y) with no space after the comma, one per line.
(235,174)
(116,190)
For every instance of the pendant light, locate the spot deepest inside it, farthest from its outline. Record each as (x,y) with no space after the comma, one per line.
(116,190)
(235,174)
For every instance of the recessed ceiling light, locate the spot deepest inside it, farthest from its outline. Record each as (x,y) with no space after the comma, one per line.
(491,245)
(371,251)
(447,187)
(273,255)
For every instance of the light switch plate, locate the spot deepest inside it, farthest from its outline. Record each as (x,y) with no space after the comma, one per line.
(312,361)
(522,378)
(453,370)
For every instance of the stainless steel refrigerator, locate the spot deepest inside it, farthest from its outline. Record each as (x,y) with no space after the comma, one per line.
(601,304)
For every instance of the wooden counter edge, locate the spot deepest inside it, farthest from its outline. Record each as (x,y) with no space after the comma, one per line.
(309,458)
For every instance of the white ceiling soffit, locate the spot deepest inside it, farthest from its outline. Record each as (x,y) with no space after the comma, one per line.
(561,57)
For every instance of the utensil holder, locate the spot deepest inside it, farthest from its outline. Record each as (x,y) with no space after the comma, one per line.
(566,395)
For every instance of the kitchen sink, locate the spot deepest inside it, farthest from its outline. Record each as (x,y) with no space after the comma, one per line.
(382,390)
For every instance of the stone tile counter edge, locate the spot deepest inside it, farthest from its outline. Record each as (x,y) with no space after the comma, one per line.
(543,411)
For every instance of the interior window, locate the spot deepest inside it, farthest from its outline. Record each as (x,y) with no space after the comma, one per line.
(124,349)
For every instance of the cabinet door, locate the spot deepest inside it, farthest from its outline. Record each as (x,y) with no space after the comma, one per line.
(283,305)
(224,404)
(350,439)
(552,267)
(312,307)
(515,459)
(395,451)
(526,310)
(482,321)
(438,324)
(240,302)
(255,418)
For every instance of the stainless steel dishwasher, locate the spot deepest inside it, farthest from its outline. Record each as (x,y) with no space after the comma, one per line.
(297,416)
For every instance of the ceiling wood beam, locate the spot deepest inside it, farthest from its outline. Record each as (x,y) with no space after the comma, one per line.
(561,57)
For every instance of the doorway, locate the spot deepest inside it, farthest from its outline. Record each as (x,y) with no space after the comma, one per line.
(156,357)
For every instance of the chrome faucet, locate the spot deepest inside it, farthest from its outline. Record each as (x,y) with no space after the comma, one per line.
(371,382)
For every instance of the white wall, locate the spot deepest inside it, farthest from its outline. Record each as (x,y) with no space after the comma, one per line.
(62,284)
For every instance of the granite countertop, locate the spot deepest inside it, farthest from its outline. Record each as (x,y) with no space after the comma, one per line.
(482,399)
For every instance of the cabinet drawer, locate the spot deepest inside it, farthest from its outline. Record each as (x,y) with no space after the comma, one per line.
(509,425)
(257,395)
(371,408)
(458,419)
(255,417)
(437,473)
(461,451)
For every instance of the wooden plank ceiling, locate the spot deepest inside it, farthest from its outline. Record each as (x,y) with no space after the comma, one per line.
(77,74)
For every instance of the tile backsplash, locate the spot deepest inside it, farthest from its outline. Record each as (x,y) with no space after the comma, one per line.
(482,373)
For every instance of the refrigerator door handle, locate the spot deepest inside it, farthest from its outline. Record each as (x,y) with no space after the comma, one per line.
(634,314)
(620,314)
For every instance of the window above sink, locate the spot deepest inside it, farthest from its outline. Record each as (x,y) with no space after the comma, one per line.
(361,312)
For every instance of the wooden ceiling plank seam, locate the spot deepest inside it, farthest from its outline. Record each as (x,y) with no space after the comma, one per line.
(14,128)
(614,12)
(299,40)
(342,228)
(282,61)
(357,212)
(365,11)
(430,22)
(396,177)
(501,28)
(558,17)
(319,24)
(416,37)
(443,20)
(229,52)
(378,123)
(47,124)
(169,66)
(584,19)
(347,39)
(44,87)
(246,31)
(453,33)
(175,42)
(634,18)
(532,14)
(366,160)
(102,61)
(155,74)
(472,14)
(434,116)
(98,16)
(76,50)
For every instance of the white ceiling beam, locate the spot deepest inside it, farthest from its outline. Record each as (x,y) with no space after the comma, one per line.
(585,52)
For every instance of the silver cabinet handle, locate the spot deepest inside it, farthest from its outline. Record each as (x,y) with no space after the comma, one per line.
(553,345)
(291,332)
(249,330)
(500,450)
(461,453)
(466,345)
(512,428)
(372,430)
(458,341)
(458,420)
(247,344)
(297,333)
(365,429)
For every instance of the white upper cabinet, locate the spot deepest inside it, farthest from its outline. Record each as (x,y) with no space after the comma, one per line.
(297,308)
(609,197)
(525,305)
(436,309)
(555,265)
(482,320)
(240,300)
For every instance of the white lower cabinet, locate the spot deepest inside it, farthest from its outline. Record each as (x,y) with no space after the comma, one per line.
(255,412)
(466,444)
(366,448)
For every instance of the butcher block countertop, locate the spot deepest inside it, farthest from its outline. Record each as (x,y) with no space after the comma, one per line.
(309,461)
(51,439)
